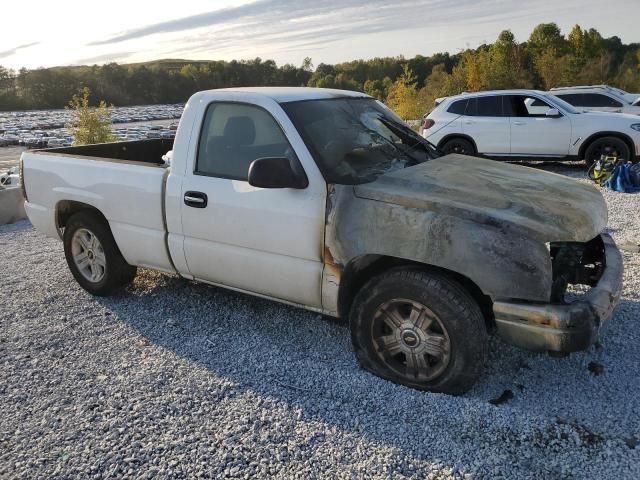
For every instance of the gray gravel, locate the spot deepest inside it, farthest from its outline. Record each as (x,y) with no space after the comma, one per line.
(176,379)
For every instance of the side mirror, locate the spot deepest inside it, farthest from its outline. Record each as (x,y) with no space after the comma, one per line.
(552,112)
(276,172)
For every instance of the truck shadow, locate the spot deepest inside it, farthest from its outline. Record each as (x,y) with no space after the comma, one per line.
(305,360)
(551,164)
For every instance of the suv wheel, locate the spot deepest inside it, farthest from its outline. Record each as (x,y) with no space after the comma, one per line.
(419,329)
(608,146)
(458,145)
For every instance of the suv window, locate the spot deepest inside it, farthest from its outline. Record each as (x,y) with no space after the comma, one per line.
(458,107)
(538,103)
(490,106)
(525,106)
(590,100)
(574,99)
(234,135)
(599,100)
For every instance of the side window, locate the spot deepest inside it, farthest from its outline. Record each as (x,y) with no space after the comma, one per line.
(458,107)
(538,103)
(524,106)
(490,106)
(575,99)
(599,100)
(234,135)
(485,106)
(472,107)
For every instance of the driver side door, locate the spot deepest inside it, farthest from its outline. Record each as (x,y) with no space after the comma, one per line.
(261,240)
(533,133)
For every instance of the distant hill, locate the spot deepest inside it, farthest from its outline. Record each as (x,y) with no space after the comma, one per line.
(165,63)
(168,63)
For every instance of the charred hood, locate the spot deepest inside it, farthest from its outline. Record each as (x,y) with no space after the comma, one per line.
(548,206)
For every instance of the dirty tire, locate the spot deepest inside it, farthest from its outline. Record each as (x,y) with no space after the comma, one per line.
(610,146)
(459,319)
(458,145)
(116,272)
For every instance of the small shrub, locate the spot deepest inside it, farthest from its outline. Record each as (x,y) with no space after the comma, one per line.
(91,124)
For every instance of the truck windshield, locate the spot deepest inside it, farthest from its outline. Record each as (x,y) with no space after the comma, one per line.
(355,140)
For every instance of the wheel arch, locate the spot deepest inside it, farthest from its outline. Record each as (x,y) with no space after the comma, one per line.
(592,138)
(117,272)
(65,209)
(451,136)
(361,269)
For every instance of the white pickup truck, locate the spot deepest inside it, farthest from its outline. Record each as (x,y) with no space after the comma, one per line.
(326,200)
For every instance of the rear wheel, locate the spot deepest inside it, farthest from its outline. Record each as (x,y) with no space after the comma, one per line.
(458,145)
(93,256)
(419,329)
(607,146)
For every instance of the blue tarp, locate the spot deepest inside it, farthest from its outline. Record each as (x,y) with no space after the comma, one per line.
(622,180)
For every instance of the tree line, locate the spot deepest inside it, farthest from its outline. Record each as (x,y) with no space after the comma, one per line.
(548,58)
(163,81)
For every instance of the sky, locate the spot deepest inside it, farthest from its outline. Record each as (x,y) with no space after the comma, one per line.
(72,32)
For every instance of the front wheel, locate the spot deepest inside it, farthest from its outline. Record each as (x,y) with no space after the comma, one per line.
(419,329)
(609,147)
(93,256)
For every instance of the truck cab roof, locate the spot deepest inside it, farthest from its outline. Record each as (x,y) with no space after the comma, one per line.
(294,94)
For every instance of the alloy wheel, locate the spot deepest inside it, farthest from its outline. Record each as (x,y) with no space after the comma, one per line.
(411,340)
(88,255)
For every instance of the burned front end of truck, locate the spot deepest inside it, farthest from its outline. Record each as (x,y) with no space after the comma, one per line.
(587,284)
(531,244)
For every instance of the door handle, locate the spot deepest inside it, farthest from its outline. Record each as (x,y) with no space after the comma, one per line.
(195,199)
(518,123)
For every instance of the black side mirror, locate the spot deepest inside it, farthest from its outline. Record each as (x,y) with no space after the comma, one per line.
(276,172)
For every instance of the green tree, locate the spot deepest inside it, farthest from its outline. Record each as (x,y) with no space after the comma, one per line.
(505,66)
(375,88)
(472,73)
(551,68)
(590,61)
(403,96)
(90,124)
(628,76)
(545,36)
(436,85)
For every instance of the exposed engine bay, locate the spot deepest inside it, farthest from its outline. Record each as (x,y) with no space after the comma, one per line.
(575,263)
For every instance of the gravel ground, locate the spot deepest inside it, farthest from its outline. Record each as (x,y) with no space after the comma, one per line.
(176,379)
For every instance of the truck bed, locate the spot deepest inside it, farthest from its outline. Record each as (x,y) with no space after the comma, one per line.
(140,151)
(124,181)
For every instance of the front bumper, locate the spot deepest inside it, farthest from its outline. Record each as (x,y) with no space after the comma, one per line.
(564,327)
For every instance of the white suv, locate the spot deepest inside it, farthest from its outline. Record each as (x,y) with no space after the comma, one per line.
(529,123)
(599,98)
